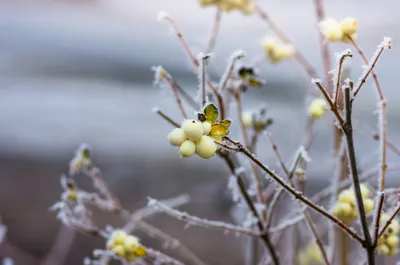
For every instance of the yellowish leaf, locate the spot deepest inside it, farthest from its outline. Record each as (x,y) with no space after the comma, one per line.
(211,112)
(219,130)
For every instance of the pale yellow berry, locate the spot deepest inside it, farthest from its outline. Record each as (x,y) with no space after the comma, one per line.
(392,241)
(206,147)
(119,250)
(394,227)
(119,237)
(315,254)
(187,149)
(331,29)
(269,43)
(282,52)
(130,243)
(342,210)
(193,129)
(368,205)
(247,119)
(364,190)
(110,243)
(177,137)
(317,108)
(346,196)
(206,127)
(349,25)
(383,249)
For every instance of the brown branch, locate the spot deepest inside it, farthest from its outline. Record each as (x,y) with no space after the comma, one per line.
(214,31)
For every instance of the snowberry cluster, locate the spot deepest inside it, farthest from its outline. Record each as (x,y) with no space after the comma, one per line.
(193,138)
(389,241)
(125,246)
(346,208)
(277,51)
(337,31)
(317,108)
(245,6)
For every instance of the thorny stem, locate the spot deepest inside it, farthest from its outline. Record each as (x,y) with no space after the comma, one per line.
(176,95)
(264,236)
(348,131)
(196,65)
(300,58)
(382,110)
(257,177)
(215,31)
(298,195)
(377,218)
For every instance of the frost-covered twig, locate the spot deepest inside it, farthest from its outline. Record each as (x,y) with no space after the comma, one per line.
(377,216)
(166,117)
(340,59)
(199,221)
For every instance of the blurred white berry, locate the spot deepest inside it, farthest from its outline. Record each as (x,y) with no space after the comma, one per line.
(206,147)
(331,29)
(206,127)
(187,149)
(247,119)
(177,137)
(193,129)
(269,43)
(349,25)
(317,108)
(282,52)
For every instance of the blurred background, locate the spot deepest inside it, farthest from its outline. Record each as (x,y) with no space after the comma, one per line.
(79,71)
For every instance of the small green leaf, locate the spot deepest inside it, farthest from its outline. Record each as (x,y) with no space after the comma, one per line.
(255,82)
(86,153)
(211,112)
(226,123)
(219,130)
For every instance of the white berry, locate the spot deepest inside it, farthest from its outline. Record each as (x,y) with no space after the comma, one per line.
(193,129)
(187,149)
(177,137)
(206,127)
(206,147)
(247,118)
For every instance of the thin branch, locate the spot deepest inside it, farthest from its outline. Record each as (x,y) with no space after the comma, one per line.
(377,217)
(61,246)
(336,92)
(174,90)
(348,131)
(229,69)
(329,100)
(298,195)
(166,117)
(388,222)
(199,221)
(214,31)
(196,65)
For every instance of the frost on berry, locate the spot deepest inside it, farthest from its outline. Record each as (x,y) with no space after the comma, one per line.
(187,149)
(193,129)
(331,29)
(177,137)
(277,51)
(206,147)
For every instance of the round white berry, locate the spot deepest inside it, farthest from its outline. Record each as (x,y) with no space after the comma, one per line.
(187,149)
(193,129)
(177,137)
(206,147)
(206,127)
(247,118)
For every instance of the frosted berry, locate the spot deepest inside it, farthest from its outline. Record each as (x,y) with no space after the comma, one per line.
(119,237)
(187,149)
(317,108)
(206,147)
(119,250)
(368,205)
(193,129)
(177,137)
(247,118)
(131,243)
(346,196)
(331,29)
